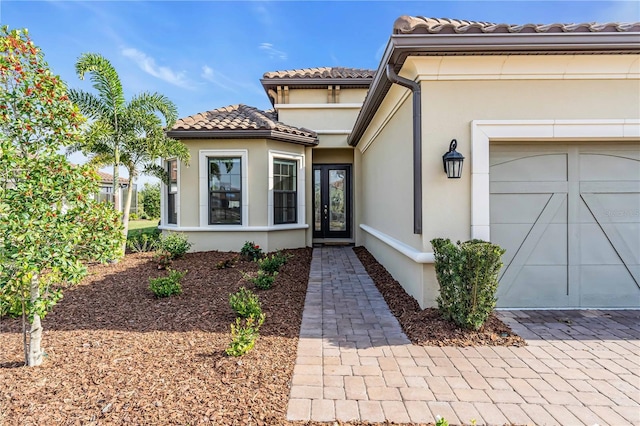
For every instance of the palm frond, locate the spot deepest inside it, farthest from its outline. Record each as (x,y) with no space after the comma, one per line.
(89,104)
(104,77)
(156,102)
(156,170)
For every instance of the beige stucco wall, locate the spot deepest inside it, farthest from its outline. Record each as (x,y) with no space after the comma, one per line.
(333,156)
(319,96)
(257,188)
(325,117)
(308,96)
(456,91)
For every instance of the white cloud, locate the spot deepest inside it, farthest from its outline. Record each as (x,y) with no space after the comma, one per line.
(231,84)
(148,65)
(262,14)
(272,51)
(218,79)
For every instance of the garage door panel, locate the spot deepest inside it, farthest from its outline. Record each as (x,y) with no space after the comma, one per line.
(522,167)
(595,248)
(517,208)
(608,285)
(509,237)
(552,247)
(618,165)
(583,246)
(535,287)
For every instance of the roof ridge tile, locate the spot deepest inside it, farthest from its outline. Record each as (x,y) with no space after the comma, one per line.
(423,25)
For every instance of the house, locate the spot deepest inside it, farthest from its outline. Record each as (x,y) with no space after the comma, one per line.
(107,194)
(547,118)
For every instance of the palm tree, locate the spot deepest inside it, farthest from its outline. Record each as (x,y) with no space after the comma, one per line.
(122,133)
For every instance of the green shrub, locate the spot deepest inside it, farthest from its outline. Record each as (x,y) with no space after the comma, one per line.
(272,264)
(251,251)
(245,303)
(244,334)
(10,303)
(150,200)
(468,277)
(167,286)
(175,244)
(441,421)
(143,241)
(263,280)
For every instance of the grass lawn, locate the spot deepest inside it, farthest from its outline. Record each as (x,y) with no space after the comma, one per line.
(142,225)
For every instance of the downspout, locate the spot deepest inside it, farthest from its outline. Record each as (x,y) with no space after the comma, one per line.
(417,144)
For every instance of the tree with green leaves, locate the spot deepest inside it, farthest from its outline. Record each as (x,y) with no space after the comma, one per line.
(49,222)
(150,196)
(122,133)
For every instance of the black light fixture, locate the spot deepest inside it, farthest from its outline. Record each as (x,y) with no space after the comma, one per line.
(452,161)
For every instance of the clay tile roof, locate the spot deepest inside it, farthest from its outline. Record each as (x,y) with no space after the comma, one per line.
(108,178)
(421,25)
(239,118)
(321,73)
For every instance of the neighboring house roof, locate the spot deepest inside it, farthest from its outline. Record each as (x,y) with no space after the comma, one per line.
(240,121)
(420,36)
(108,178)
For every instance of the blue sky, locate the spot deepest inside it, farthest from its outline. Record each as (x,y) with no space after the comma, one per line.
(208,54)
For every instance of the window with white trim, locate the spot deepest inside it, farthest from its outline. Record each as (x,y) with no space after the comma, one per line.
(172,192)
(286,188)
(285,191)
(225,190)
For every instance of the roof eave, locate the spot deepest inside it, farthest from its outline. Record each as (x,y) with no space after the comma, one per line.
(244,134)
(314,83)
(401,46)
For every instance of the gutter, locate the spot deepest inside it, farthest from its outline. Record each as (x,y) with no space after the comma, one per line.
(417,143)
(244,134)
(401,46)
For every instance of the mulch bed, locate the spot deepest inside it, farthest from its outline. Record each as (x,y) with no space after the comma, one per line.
(117,355)
(426,327)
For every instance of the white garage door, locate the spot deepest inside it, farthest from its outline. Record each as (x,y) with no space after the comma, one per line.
(569,217)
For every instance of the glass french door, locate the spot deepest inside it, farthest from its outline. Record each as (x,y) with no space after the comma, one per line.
(332,201)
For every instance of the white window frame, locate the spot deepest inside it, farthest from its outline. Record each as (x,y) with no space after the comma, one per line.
(483,132)
(300,178)
(164,215)
(203,181)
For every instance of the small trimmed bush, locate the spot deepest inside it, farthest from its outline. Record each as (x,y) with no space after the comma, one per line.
(251,251)
(175,244)
(143,241)
(167,286)
(263,280)
(244,333)
(468,277)
(272,264)
(245,303)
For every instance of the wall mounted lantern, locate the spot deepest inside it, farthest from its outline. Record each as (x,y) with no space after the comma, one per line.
(452,161)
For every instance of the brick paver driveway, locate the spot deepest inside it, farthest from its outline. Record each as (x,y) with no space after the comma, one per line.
(354,362)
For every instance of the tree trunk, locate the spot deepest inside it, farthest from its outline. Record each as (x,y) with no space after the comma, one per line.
(35,335)
(125,211)
(116,186)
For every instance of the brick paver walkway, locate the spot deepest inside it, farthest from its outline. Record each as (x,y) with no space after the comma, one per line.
(354,362)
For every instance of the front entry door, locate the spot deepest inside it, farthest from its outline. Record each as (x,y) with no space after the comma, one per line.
(332,201)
